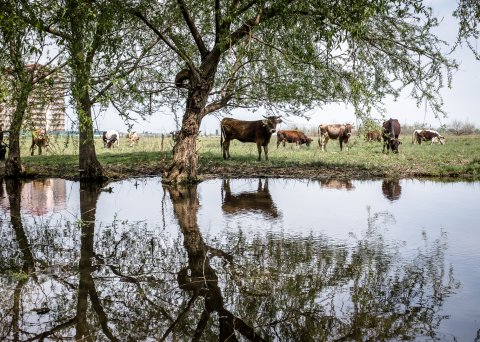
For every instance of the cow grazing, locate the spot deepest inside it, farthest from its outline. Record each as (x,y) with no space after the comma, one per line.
(391,132)
(247,201)
(334,131)
(374,135)
(420,135)
(133,138)
(110,138)
(40,139)
(292,136)
(259,132)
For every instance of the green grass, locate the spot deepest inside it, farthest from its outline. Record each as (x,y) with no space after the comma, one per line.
(459,157)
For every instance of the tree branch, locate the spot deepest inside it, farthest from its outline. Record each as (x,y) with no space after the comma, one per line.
(127,72)
(164,38)
(262,15)
(193,29)
(33,20)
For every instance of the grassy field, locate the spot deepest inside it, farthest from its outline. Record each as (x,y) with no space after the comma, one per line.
(459,158)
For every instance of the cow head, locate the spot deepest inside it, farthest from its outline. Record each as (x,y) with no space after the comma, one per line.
(348,130)
(46,140)
(394,143)
(271,122)
(112,140)
(308,141)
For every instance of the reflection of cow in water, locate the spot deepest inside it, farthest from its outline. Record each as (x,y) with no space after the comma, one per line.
(391,189)
(257,201)
(337,184)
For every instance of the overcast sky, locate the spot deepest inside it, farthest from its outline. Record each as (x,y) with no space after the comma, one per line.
(460,102)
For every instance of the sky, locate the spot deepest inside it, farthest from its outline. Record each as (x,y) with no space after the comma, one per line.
(460,101)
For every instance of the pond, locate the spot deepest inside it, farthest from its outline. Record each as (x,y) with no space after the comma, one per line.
(240,259)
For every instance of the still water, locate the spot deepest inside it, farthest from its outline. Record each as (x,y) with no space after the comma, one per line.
(240,259)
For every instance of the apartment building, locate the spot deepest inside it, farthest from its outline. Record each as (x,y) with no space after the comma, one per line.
(46,105)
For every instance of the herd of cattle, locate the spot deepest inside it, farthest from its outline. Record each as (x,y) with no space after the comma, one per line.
(260,133)
(110,138)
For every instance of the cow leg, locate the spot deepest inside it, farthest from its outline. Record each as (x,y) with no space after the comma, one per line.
(259,148)
(39,150)
(324,140)
(32,149)
(265,149)
(226,147)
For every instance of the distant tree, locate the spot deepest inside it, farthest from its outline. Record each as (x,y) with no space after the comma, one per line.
(289,57)
(459,127)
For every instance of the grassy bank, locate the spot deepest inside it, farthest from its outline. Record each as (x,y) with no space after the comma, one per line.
(459,158)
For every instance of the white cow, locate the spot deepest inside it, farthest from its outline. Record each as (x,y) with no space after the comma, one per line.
(110,138)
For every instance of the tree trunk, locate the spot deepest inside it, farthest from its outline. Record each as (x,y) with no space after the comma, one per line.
(185,158)
(90,167)
(13,164)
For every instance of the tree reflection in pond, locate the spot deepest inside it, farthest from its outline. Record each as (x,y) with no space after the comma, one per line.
(127,281)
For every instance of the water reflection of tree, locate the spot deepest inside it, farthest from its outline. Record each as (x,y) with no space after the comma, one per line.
(199,277)
(86,288)
(134,283)
(316,291)
(14,189)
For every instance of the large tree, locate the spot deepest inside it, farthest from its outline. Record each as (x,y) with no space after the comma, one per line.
(22,47)
(290,56)
(100,44)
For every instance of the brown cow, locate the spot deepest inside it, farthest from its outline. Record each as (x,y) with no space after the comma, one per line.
(248,201)
(391,132)
(39,139)
(373,135)
(292,136)
(420,135)
(334,131)
(259,132)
